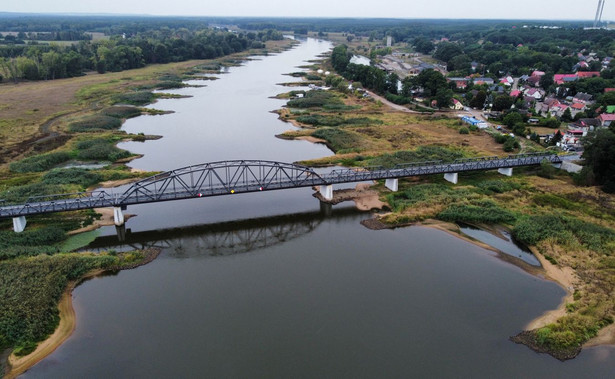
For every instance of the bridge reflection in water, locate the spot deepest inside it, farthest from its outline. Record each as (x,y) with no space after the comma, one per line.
(223,239)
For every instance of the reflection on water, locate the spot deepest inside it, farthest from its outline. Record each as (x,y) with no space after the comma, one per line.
(503,243)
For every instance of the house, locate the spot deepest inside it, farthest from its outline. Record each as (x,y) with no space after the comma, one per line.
(507,81)
(609,90)
(457,105)
(606,119)
(579,107)
(537,73)
(473,121)
(586,124)
(474,65)
(461,83)
(588,74)
(515,93)
(564,78)
(487,81)
(536,93)
(534,81)
(580,65)
(582,97)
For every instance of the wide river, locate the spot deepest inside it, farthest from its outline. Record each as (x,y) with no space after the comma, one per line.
(268,285)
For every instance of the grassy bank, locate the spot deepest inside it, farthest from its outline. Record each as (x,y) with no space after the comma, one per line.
(572,227)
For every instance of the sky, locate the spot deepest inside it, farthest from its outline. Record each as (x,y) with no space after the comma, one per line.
(478,9)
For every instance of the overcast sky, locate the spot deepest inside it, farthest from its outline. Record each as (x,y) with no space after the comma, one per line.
(485,9)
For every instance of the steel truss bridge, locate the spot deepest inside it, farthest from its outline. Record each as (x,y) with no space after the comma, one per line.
(244,176)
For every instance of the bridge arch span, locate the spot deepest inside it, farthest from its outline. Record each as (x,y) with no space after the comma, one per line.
(220,178)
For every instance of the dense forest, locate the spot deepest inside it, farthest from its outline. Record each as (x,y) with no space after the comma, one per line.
(24,56)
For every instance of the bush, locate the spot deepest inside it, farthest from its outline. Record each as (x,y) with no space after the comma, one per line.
(121,112)
(20,194)
(80,176)
(95,123)
(39,163)
(135,98)
(314,99)
(338,139)
(498,186)
(464,130)
(170,84)
(566,231)
(482,212)
(103,152)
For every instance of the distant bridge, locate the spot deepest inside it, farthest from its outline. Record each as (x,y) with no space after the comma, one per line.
(243,176)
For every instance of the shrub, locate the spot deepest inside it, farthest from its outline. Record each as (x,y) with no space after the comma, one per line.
(104,152)
(39,163)
(121,112)
(464,130)
(135,98)
(498,186)
(314,99)
(338,139)
(170,84)
(80,176)
(483,212)
(94,123)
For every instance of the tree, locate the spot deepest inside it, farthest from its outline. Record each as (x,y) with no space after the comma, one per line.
(447,51)
(512,118)
(599,155)
(423,45)
(478,101)
(444,97)
(502,103)
(546,80)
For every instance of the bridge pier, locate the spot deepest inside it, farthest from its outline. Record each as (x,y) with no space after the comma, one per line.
(19,224)
(327,192)
(326,209)
(392,184)
(452,177)
(121,232)
(505,171)
(118,216)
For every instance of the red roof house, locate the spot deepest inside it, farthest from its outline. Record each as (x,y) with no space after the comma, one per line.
(588,74)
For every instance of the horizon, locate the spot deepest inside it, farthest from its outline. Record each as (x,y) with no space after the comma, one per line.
(145,15)
(524,10)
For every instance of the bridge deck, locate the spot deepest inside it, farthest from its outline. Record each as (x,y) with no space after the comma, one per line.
(231,177)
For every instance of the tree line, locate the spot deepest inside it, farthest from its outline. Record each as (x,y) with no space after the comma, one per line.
(42,61)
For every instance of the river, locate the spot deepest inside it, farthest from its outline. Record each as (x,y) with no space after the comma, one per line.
(269,285)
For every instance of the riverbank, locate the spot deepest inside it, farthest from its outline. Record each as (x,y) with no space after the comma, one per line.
(571,229)
(67,324)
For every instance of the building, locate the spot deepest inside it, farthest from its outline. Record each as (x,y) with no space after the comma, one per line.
(476,122)
(606,119)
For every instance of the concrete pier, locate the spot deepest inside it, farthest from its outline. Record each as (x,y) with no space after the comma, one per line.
(452,177)
(326,192)
(118,216)
(19,224)
(392,184)
(505,171)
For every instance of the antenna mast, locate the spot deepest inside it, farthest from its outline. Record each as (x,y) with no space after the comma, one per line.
(599,11)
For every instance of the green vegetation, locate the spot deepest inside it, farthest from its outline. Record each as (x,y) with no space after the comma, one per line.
(135,98)
(121,112)
(338,139)
(421,154)
(82,177)
(100,149)
(566,231)
(479,212)
(95,123)
(30,289)
(322,120)
(40,163)
(30,242)
(315,99)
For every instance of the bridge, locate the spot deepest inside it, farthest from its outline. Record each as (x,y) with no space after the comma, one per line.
(244,176)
